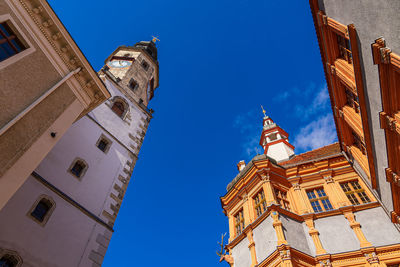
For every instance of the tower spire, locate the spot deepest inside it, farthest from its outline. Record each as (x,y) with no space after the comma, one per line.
(275,141)
(263,110)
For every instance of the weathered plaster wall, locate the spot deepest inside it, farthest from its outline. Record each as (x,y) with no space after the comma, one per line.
(308,239)
(295,234)
(372,19)
(241,254)
(336,235)
(61,242)
(265,239)
(15,141)
(379,231)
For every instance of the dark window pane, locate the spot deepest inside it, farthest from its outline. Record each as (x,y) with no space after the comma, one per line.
(40,211)
(3,54)
(77,169)
(102,145)
(8,261)
(16,44)
(5,29)
(8,49)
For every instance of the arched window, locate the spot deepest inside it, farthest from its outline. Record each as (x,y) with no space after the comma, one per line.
(78,168)
(8,260)
(41,210)
(118,108)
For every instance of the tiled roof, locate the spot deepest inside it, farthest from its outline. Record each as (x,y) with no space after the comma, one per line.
(318,153)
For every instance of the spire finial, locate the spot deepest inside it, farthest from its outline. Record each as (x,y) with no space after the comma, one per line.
(155,39)
(263,110)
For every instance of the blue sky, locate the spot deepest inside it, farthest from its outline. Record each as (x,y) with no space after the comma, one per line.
(219,61)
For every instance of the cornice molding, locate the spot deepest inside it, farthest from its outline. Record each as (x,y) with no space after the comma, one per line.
(66,54)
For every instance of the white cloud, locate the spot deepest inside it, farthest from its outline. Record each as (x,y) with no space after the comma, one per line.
(318,133)
(319,103)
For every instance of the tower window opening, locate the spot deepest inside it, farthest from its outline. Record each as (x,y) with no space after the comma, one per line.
(9,43)
(273,137)
(239,223)
(118,108)
(145,65)
(102,145)
(78,168)
(354,192)
(133,84)
(319,200)
(41,210)
(8,261)
(259,203)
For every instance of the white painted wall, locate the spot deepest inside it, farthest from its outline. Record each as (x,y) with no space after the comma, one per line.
(92,190)
(279,151)
(61,242)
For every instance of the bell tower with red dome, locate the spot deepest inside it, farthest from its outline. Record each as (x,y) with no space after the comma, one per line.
(275,141)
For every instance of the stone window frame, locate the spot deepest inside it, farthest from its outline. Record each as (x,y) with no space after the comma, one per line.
(103,137)
(145,65)
(124,102)
(4,252)
(83,171)
(48,214)
(133,88)
(22,38)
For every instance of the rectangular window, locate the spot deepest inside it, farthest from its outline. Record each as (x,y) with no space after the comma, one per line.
(145,65)
(358,143)
(239,223)
(319,200)
(281,198)
(9,42)
(260,203)
(352,100)
(344,48)
(133,84)
(355,193)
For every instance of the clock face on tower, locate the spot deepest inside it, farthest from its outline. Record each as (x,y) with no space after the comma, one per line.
(120,63)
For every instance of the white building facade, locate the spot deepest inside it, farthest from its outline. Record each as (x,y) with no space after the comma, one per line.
(64,213)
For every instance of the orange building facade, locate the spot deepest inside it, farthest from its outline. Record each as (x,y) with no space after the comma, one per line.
(311,209)
(362,75)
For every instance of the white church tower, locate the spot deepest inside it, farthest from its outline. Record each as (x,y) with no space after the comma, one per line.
(65,212)
(275,141)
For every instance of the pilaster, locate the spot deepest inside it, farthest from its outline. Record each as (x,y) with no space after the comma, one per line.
(252,247)
(284,253)
(231,227)
(277,224)
(246,210)
(319,249)
(356,228)
(337,198)
(303,200)
(267,186)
